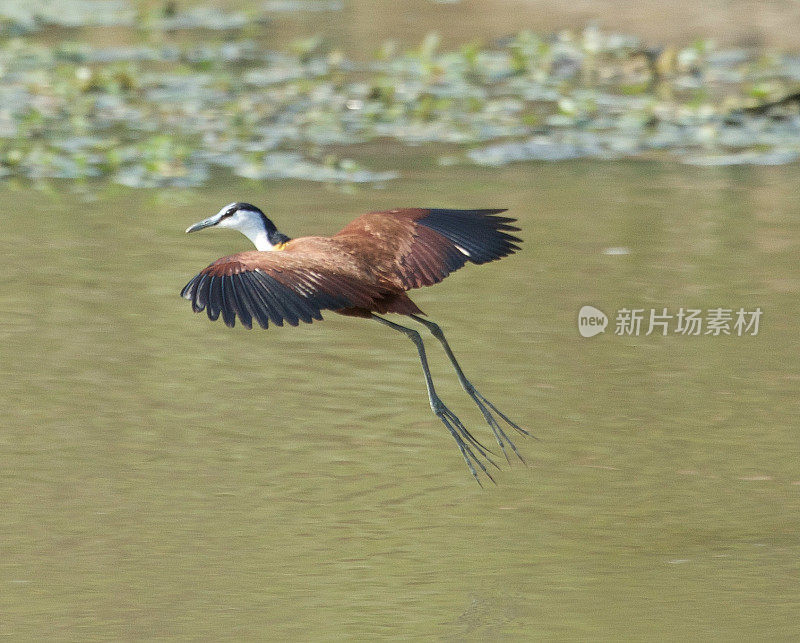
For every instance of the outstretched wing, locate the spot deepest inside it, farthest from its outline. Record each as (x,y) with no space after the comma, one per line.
(275,287)
(420,247)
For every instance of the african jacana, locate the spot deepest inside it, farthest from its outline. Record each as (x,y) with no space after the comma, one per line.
(362,270)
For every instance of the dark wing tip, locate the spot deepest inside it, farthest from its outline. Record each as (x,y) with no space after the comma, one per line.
(480,234)
(286,295)
(188,291)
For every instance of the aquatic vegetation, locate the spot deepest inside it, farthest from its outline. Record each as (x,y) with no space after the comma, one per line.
(292,6)
(160,111)
(200,18)
(290,165)
(30,15)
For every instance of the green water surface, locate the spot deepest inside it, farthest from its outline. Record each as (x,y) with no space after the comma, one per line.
(164,476)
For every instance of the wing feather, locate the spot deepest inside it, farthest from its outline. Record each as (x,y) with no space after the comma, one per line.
(262,300)
(420,247)
(227,308)
(214,297)
(199,303)
(250,297)
(278,287)
(240,302)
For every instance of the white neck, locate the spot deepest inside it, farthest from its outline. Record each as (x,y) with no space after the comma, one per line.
(258,236)
(251,225)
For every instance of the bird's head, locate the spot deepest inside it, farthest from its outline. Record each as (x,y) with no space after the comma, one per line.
(248,220)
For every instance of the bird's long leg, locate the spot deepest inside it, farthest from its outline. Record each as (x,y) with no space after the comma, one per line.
(484,405)
(467,443)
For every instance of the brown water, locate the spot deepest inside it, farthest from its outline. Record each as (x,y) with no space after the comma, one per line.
(363,25)
(165,476)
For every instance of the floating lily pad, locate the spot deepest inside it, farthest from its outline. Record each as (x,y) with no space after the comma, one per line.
(154,113)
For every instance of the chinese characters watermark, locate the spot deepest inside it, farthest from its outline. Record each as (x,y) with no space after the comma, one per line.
(637,322)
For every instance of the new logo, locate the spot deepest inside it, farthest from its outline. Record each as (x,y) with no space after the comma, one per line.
(591,321)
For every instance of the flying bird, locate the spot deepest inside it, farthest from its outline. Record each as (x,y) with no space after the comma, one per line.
(364,270)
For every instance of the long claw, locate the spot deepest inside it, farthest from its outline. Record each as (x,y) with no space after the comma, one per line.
(464,438)
(485,406)
(465,450)
(482,449)
(504,416)
(498,431)
(500,435)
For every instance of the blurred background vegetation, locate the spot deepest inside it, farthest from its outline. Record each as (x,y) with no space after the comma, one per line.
(166,477)
(156,95)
